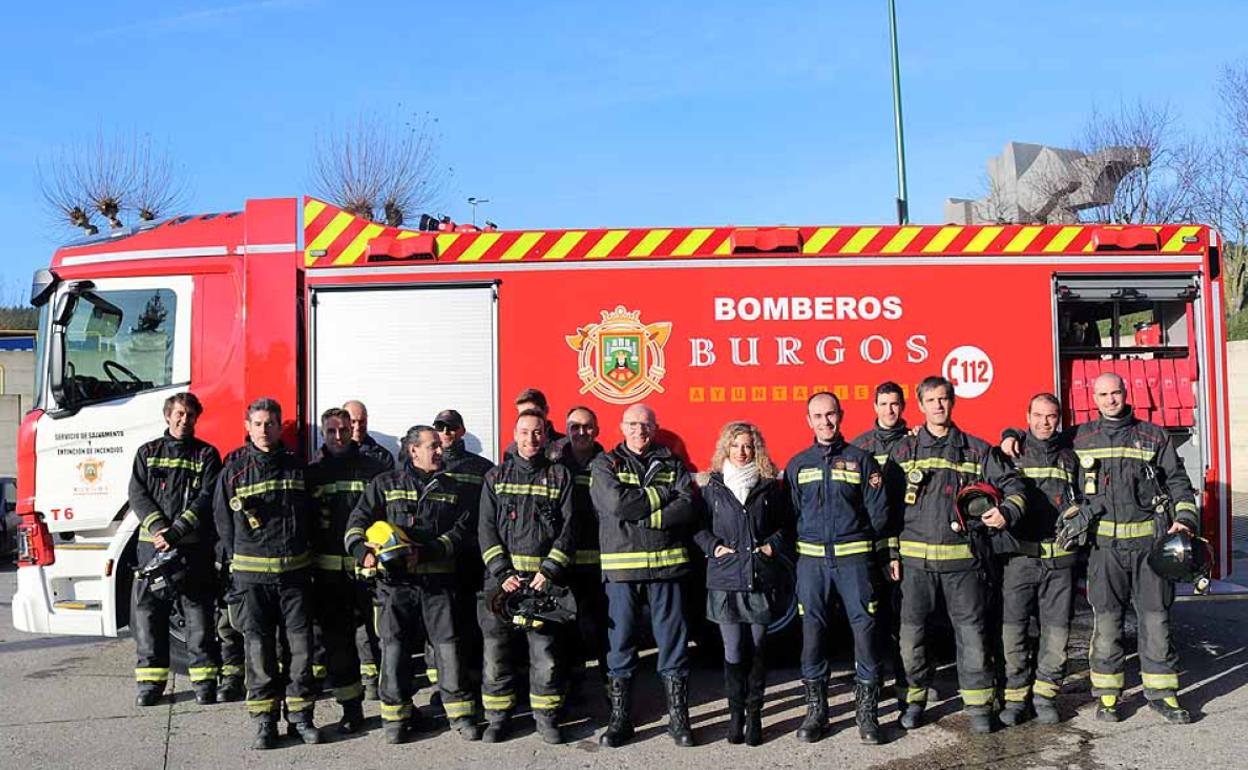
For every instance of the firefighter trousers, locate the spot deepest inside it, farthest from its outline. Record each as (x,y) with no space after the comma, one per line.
(334,593)
(965,601)
(589,635)
(470,644)
(820,581)
(406,608)
(1031,589)
(262,612)
(1119,577)
(367,647)
(230,640)
(498,684)
(151,632)
(667,622)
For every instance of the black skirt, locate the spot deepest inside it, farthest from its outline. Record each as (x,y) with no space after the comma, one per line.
(740,607)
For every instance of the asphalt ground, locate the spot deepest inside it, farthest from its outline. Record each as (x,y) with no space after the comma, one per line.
(68,702)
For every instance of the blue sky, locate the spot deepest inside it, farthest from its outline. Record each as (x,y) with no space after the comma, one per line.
(570,114)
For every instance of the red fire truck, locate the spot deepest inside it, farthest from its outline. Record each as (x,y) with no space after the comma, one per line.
(298,300)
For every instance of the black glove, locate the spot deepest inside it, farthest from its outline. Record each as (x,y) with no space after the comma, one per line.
(1074,525)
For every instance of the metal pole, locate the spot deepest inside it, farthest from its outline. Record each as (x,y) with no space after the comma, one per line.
(903,210)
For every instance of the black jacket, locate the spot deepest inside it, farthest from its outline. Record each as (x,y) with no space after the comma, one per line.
(335,484)
(1133,463)
(645,514)
(262,515)
(1049,469)
(765,518)
(430,510)
(837,492)
(948,464)
(370,447)
(880,441)
(588,557)
(171,488)
(526,520)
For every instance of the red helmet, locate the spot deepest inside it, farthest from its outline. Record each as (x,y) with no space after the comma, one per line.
(972,502)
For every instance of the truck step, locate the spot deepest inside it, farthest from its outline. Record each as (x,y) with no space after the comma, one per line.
(77,604)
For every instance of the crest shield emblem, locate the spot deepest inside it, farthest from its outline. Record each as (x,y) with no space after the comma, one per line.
(621,358)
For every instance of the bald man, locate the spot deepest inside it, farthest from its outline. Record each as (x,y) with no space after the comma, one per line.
(644,499)
(1125,466)
(359,434)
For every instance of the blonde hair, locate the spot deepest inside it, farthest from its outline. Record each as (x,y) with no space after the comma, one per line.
(766,469)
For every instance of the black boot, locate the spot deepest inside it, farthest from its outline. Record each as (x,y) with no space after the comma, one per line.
(868,696)
(303,727)
(678,727)
(620,722)
(548,727)
(1171,711)
(231,689)
(496,727)
(816,720)
(266,734)
(1046,711)
(397,731)
(148,696)
(352,717)
(734,691)
(467,728)
(911,716)
(756,683)
(206,692)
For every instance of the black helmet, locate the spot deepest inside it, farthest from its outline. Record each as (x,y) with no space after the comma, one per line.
(972,502)
(1181,558)
(165,573)
(530,610)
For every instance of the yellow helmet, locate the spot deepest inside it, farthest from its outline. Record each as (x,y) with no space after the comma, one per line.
(391,544)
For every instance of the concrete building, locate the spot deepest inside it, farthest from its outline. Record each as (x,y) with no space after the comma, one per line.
(17,392)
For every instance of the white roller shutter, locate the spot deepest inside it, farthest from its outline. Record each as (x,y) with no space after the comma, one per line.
(408,353)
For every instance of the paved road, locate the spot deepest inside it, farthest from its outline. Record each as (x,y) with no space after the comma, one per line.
(68,703)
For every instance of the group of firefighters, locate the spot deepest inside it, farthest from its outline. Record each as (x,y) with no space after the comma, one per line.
(343,568)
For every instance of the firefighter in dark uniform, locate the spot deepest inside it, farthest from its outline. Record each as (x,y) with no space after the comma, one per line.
(890,426)
(527,538)
(428,511)
(644,498)
(1038,579)
(939,460)
(837,491)
(261,510)
(336,480)
(575,452)
(171,494)
(534,399)
(468,469)
(1131,474)
(366,645)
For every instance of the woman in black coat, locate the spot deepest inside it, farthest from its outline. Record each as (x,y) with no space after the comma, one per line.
(745,525)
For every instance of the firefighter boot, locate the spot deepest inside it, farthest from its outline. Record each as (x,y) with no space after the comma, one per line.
(548,727)
(755,684)
(1170,710)
(149,696)
(981,722)
(496,727)
(1046,711)
(734,691)
(677,688)
(1014,713)
(620,721)
(370,690)
(397,731)
(1107,709)
(206,692)
(307,732)
(911,717)
(467,729)
(868,696)
(352,717)
(231,689)
(266,733)
(816,720)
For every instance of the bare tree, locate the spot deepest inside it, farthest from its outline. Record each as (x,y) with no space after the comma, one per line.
(1221,186)
(108,176)
(380,167)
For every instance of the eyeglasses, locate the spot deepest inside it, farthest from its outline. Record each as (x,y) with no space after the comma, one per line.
(646,426)
(442,427)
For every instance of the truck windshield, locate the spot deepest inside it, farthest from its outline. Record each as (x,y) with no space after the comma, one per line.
(119,343)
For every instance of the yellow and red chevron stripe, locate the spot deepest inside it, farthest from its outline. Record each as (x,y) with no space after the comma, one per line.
(335,238)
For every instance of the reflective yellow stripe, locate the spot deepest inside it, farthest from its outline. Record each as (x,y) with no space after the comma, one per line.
(1159,681)
(583,480)
(151,675)
(1107,681)
(644,559)
(1016,694)
(492,553)
(809,475)
(261,706)
(811,549)
(1045,689)
(916,695)
(1052,551)
(1125,530)
(1117,452)
(588,557)
(559,557)
(652,496)
(852,548)
(354,532)
(545,702)
(628,477)
(229,669)
(272,566)
(151,519)
(1190,507)
(175,462)
(656,520)
(940,463)
(202,673)
(319,671)
(498,702)
(368,670)
(395,713)
(1018,501)
(337,487)
(976,697)
(1046,473)
(664,477)
(333,563)
(467,478)
(458,709)
(432,675)
(530,490)
(525,563)
(390,495)
(849,477)
(272,485)
(880,459)
(935,551)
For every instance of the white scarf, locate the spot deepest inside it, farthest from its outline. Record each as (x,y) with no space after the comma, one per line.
(740,480)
